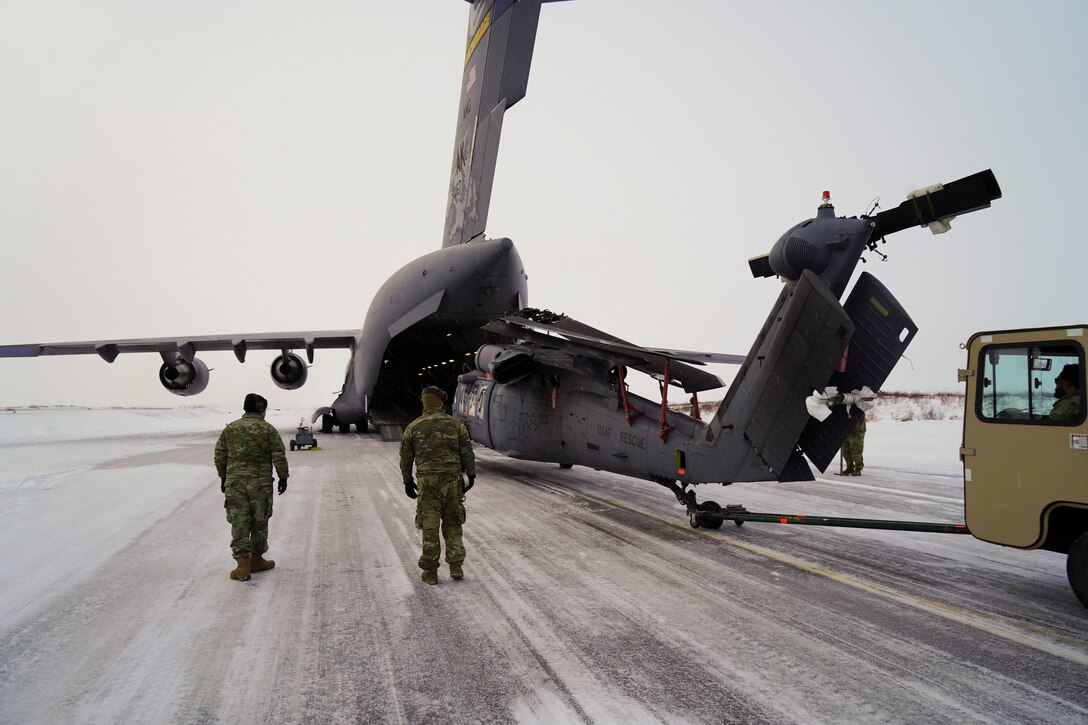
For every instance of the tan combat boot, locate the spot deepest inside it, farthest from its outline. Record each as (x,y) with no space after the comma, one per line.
(241,572)
(456,572)
(259,563)
(430,577)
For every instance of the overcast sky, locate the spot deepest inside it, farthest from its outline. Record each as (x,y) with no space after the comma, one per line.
(228,167)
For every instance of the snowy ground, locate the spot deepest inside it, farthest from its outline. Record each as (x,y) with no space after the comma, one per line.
(587,597)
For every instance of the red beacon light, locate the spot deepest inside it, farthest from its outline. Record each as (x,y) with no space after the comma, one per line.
(825,200)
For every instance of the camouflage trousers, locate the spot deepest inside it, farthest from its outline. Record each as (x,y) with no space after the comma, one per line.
(249,506)
(853,451)
(440,503)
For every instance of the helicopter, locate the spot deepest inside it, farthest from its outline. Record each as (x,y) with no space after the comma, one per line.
(556,391)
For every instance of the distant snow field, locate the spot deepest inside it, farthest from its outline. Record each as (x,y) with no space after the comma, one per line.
(894,406)
(57,424)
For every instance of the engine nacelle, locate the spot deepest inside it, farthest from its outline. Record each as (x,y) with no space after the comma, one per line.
(507,364)
(184,378)
(289,371)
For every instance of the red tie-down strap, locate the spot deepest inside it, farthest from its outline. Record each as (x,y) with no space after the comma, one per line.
(628,410)
(663,433)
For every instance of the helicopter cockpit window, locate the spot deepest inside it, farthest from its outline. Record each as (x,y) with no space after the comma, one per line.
(1039,384)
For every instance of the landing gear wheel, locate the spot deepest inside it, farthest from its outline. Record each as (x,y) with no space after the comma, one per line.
(363,426)
(1076,567)
(694,519)
(326,424)
(345,428)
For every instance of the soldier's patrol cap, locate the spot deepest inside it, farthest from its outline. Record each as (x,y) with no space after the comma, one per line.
(254,403)
(1070,373)
(434,390)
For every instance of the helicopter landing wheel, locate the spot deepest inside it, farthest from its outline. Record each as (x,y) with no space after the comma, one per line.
(712,507)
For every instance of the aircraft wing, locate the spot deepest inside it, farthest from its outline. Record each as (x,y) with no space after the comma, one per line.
(546,328)
(187,347)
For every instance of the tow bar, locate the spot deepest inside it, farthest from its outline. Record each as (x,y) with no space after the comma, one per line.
(710,515)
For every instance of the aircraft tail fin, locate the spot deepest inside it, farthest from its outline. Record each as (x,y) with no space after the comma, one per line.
(882,332)
(764,413)
(501,38)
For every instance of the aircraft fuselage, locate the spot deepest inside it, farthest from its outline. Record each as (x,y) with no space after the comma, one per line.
(423,325)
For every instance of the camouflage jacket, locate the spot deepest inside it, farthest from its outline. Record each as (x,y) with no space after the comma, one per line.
(1067,408)
(437,443)
(248,447)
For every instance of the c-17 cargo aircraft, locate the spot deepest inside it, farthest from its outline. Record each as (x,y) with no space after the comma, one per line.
(541,386)
(427,317)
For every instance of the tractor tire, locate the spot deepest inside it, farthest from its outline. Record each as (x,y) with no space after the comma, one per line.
(1076,567)
(292,444)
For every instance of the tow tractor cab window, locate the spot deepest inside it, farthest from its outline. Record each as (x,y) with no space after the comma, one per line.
(1032,385)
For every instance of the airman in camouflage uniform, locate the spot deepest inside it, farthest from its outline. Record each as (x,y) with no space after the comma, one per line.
(1067,391)
(853,449)
(246,451)
(439,446)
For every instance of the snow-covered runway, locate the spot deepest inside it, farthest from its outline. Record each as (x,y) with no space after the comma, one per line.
(587,596)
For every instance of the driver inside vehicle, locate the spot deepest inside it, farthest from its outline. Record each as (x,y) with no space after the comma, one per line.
(1067,391)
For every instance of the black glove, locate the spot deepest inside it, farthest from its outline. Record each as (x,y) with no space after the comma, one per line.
(283,486)
(223,484)
(409,488)
(471,482)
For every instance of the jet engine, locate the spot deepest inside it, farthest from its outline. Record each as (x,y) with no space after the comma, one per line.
(184,378)
(288,371)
